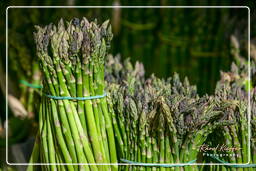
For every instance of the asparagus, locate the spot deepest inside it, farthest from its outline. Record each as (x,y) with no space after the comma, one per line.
(234,87)
(161,116)
(72,62)
(151,120)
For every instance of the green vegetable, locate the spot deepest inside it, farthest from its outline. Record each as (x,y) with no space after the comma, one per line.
(159,121)
(72,63)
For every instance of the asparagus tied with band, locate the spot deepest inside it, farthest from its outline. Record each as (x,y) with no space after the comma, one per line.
(72,59)
(159,121)
(235,86)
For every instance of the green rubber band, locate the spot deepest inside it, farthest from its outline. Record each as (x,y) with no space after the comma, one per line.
(234,166)
(30,85)
(157,164)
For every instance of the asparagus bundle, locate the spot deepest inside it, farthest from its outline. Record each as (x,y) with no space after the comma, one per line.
(231,97)
(159,121)
(235,86)
(74,130)
(235,135)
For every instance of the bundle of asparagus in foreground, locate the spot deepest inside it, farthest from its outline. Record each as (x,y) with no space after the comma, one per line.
(159,121)
(72,130)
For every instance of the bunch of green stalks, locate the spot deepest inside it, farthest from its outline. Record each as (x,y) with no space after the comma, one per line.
(236,86)
(159,121)
(232,100)
(72,59)
(232,87)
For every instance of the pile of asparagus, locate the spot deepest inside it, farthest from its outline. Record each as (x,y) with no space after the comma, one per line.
(72,59)
(159,121)
(142,120)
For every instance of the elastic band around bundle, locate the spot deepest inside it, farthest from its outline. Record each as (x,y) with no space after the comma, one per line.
(30,85)
(234,166)
(76,98)
(157,164)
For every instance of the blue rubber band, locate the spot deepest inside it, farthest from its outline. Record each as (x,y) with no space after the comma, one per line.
(61,97)
(76,98)
(234,166)
(157,164)
(30,85)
